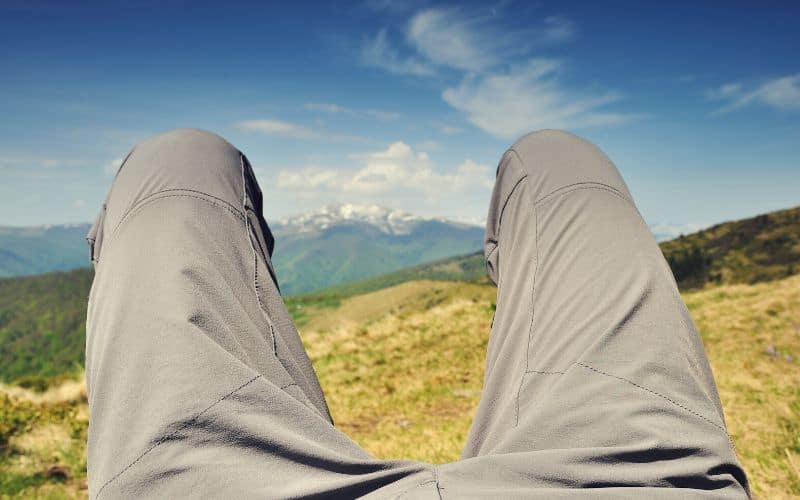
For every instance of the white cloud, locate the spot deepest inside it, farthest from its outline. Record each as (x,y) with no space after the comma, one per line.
(528,97)
(471,41)
(448,129)
(327,107)
(780,93)
(50,162)
(111,167)
(557,29)
(396,172)
(503,89)
(45,162)
(292,130)
(42,168)
(379,53)
(382,115)
(429,145)
(446,38)
(307,178)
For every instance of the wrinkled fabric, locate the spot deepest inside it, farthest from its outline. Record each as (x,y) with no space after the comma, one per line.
(596,381)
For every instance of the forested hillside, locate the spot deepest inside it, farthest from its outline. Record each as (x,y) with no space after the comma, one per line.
(761,248)
(42,317)
(42,320)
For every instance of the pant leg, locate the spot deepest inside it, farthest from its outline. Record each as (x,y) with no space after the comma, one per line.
(198,381)
(596,378)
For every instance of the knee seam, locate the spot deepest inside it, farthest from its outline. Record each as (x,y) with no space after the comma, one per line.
(578,186)
(186,193)
(175,432)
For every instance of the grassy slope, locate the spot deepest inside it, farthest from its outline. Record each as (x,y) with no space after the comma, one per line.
(41,317)
(42,323)
(754,250)
(402,369)
(404,382)
(320,259)
(379,354)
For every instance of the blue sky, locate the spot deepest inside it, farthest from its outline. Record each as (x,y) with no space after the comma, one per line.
(404,104)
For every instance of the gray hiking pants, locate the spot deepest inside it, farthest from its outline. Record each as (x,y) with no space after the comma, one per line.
(596,382)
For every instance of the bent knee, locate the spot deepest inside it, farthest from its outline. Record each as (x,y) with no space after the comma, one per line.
(185,142)
(179,160)
(183,156)
(554,159)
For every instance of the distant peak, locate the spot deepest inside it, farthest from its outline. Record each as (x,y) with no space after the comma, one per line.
(387,220)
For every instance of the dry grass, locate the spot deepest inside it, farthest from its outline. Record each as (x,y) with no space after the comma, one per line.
(43,445)
(70,391)
(752,336)
(404,382)
(402,369)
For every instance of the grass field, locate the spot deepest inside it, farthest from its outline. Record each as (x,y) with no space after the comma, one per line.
(402,369)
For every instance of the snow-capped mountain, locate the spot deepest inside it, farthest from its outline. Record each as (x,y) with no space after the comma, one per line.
(386,220)
(332,245)
(340,243)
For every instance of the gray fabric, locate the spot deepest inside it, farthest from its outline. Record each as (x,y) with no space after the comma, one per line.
(596,382)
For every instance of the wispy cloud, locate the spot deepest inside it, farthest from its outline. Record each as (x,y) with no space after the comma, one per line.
(445,37)
(397,171)
(529,97)
(112,166)
(292,130)
(378,52)
(327,107)
(471,41)
(448,129)
(501,86)
(46,162)
(460,39)
(557,29)
(780,93)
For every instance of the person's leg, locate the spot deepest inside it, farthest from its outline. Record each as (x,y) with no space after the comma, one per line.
(596,378)
(198,382)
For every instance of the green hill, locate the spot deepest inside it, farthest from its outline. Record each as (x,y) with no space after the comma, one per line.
(754,250)
(337,244)
(42,323)
(417,350)
(469,267)
(316,259)
(32,250)
(41,317)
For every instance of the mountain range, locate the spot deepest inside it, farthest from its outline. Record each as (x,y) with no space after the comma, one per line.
(42,316)
(325,247)
(341,243)
(332,245)
(418,337)
(41,249)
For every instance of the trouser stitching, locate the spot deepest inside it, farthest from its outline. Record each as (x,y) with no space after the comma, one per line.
(601,372)
(256,286)
(552,196)
(169,436)
(151,197)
